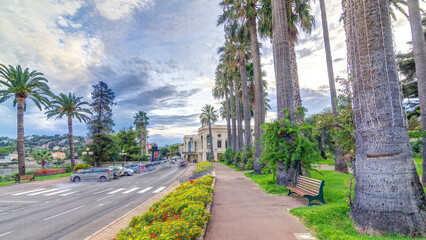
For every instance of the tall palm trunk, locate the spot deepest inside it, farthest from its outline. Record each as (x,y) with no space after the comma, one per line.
(141,141)
(246,102)
(228,122)
(234,120)
(283,76)
(211,141)
(295,77)
(420,60)
(20,139)
(71,142)
(388,194)
(259,113)
(238,112)
(339,161)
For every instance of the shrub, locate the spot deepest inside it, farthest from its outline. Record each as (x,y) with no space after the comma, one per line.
(202,167)
(81,166)
(181,214)
(228,155)
(144,158)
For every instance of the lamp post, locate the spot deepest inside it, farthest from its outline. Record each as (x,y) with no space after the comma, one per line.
(87,155)
(124,157)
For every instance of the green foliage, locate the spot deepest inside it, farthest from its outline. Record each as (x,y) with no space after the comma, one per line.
(81,166)
(228,156)
(101,107)
(276,147)
(267,183)
(126,139)
(181,214)
(104,148)
(7,150)
(144,158)
(202,167)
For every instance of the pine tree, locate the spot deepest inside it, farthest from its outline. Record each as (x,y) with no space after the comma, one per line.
(101,107)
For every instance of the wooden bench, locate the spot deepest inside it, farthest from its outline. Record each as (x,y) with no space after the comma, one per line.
(309,188)
(25,177)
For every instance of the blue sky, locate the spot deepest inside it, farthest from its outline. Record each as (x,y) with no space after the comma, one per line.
(158,56)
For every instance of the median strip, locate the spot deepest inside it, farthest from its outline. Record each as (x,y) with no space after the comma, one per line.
(57,215)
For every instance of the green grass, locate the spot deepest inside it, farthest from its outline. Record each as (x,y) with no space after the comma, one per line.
(231,166)
(267,183)
(61,175)
(329,161)
(419,168)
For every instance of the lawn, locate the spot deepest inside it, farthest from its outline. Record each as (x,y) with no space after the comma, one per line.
(38,178)
(418,162)
(231,166)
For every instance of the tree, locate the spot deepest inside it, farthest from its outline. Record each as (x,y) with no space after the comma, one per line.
(339,161)
(20,85)
(207,117)
(42,156)
(103,101)
(388,194)
(126,139)
(71,106)
(141,122)
(419,48)
(104,148)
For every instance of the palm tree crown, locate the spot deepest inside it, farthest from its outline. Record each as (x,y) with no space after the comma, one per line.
(208,115)
(69,105)
(141,119)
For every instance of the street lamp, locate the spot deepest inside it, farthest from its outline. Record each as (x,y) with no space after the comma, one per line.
(87,155)
(124,156)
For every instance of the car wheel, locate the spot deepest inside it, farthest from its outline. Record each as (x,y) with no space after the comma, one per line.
(102,179)
(76,179)
(126,174)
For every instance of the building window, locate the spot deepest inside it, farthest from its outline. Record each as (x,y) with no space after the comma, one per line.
(195,146)
(202,143)
(226,144)
(219,143)
(190,146)
(219,135)
(209,146)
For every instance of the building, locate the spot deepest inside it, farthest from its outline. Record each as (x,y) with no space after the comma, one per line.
(12,156)
(198,146)
(58,155)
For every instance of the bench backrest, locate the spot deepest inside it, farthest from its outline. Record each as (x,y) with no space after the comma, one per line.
(310,185)
(23,177)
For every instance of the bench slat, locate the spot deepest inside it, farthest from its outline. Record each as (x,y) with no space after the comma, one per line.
(314,189)
(309,183)
(308,180)
(302,192)
(309,188)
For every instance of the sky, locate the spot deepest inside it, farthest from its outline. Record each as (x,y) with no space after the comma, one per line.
(158,56)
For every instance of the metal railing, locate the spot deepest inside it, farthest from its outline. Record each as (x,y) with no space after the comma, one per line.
(197,175)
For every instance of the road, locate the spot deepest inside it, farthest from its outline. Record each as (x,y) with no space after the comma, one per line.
(67,210)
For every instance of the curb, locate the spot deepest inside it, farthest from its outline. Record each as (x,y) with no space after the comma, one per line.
(209,207)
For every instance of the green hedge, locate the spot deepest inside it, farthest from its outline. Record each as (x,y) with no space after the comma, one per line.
(202,167)
(181,214)
(81,166)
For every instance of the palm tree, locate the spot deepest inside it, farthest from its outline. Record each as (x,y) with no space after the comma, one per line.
(388,194)
(207,117)
(141,122)
(71,106)
(42,156)
(20,85)
(247,10)
(339,161)
(419,48)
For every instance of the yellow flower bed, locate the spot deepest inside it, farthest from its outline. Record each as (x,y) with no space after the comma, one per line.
(202,167)
(181,214)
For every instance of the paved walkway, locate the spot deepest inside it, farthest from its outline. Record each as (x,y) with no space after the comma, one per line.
(243,211)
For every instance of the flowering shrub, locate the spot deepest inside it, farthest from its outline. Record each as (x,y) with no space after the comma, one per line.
(181,214)
(202,167)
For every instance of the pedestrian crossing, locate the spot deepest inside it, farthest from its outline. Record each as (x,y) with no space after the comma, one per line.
(68,192)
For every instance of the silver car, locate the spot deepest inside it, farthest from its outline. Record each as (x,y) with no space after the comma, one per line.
(99,174)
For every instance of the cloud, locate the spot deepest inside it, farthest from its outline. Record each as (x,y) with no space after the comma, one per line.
(118,9)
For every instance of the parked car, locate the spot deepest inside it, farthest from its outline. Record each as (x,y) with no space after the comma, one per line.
(182,163)
(128,172)
(101,174)
(137,168)
(117,169)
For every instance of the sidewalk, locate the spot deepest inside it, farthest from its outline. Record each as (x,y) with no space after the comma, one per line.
(243,211)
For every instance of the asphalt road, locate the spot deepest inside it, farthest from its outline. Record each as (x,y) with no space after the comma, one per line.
(67,210)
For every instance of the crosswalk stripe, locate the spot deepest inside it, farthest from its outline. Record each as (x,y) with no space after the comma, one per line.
(145,190)
(61,191)
(66,194)
(159,190)
(118,190)
(45,191)
(103,191)
(131,190)
(40,189)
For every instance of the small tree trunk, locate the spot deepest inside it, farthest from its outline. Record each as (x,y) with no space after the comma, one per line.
(259,112)
(141,141)
(238,113)
(234,120)
(71,142)
(246,103)
(20,140)
(211,141)
(228,122)
(420,60)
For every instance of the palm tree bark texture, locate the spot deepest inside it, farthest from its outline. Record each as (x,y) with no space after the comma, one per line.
(71,142)
(20,139)
(283,78)
(228,121)
(388,194)
(238,112)
(339,162)
(420,60)
(234,120)
(246,102)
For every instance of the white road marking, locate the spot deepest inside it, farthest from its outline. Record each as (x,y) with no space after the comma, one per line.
(146,189)
(45,191)
(66,194)
(131,190)
(4,234)
(159,190)
(40,189)
(57,215)
(18,202)
(103,191)
(102,198)
(61,191)
(118,190)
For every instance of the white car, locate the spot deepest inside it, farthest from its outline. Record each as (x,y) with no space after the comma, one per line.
(128,172)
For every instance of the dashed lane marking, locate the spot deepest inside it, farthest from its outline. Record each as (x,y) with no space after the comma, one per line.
(145,190)
(131,190)
(159,190)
